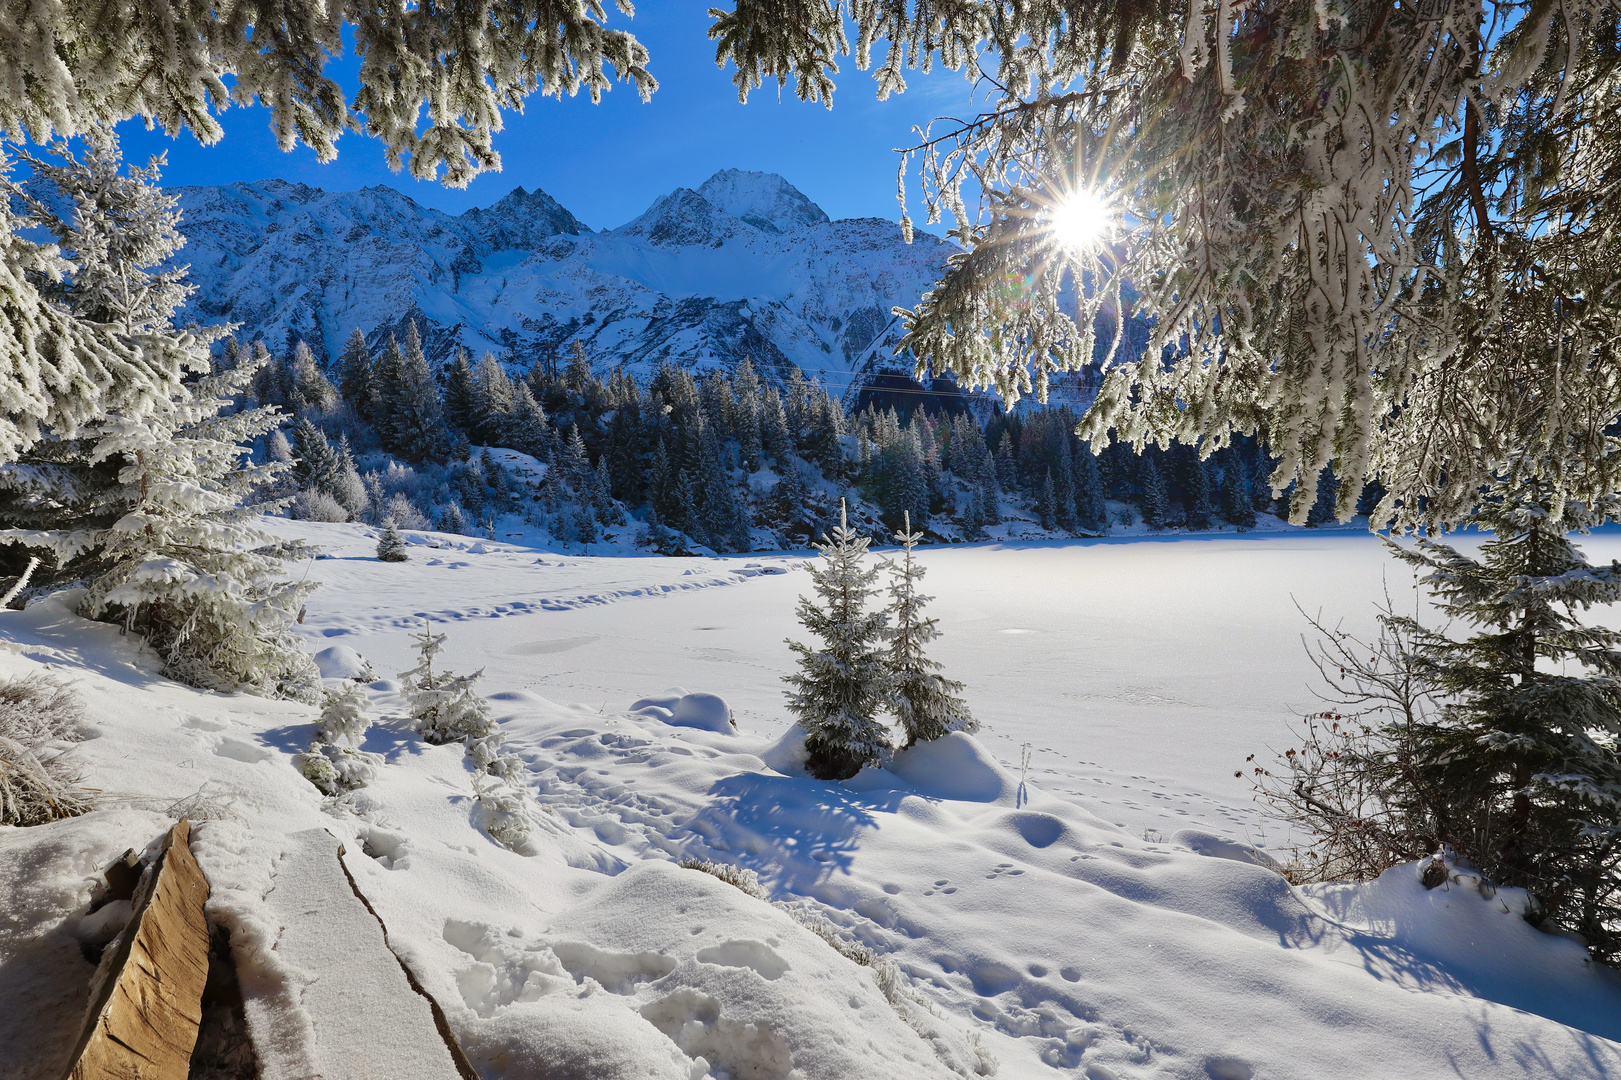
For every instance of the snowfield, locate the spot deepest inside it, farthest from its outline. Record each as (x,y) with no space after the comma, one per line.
(1081,890)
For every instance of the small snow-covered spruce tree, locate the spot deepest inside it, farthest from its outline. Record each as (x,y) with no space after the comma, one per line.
(390,544)
(334,762)
(444,707)
(840,687)
(1498,747)
(925,702)
(189,566)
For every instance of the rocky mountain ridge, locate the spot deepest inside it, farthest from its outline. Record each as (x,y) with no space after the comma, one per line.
(745,265)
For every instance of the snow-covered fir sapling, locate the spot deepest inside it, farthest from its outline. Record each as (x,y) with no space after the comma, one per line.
(925,703)
(334,762)
(390,544)
(840,687)
(1502,748)
(444,707)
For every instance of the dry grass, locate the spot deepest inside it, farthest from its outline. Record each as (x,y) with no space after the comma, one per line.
(40,720)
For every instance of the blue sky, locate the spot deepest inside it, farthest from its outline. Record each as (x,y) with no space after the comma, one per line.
(607,162)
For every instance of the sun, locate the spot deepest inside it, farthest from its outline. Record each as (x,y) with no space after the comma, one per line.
(1081,220)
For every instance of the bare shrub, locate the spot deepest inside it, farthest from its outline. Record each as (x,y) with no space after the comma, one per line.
(1352,780)
(40,720)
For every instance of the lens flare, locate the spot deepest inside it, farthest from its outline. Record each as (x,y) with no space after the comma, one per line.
(1080,221)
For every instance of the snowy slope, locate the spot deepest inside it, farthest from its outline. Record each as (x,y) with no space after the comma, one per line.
(745,265)
(1101,914)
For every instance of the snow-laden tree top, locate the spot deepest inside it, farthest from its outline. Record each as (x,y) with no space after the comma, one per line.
(1382,232)
(68,64)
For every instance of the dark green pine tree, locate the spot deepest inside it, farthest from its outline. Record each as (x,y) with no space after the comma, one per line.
(1090,511)
(1196,491)
(355,377)
(1064,481)
(924,702)
(1328,490)
(746,390)
(526,427)
(1047,504)
(839,688)
(987,500)
(411,424)
(1520,770)
(775,432)
(1237,500)
(459,394)
(1153,500)
(316,466)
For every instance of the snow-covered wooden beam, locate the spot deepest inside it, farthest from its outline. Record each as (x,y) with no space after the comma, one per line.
(146,996)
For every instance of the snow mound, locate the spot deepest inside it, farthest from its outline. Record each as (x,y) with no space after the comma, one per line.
(342,662)
(787,754)
(675,706)
(706,711)
(955,767)
(1475,937)
(1217,847)
(738,982)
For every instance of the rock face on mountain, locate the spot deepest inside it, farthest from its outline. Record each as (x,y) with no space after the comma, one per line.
(744,266)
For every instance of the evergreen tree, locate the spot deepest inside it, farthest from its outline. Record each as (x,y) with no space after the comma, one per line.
(840,687)
(1500,749)
(987,501)
(443,706)
(87,321)
(1523,764)
(410,423)
(355,377)
(1237,502)
(775,432)
(334,762)
(526,428)
(391,546)
(452,519)
(186,563)
(460,411)
(1196,491)
(1154,502)
(746,390)
(492,393)
(161,507)
(1322,511)
(315,465)
(1090,511)
(309,388)
(925,703)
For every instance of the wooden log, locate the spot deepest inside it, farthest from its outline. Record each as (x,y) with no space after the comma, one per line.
(146,996)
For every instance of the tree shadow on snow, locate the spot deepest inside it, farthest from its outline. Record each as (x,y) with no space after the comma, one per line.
(809,828)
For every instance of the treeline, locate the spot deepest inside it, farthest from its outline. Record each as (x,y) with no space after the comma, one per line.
(731,460)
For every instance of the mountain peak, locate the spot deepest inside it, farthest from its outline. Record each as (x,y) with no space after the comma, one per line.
(684,218)
(764,200)
(522,219)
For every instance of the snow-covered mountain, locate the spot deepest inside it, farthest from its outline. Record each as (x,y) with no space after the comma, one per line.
(745,265)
